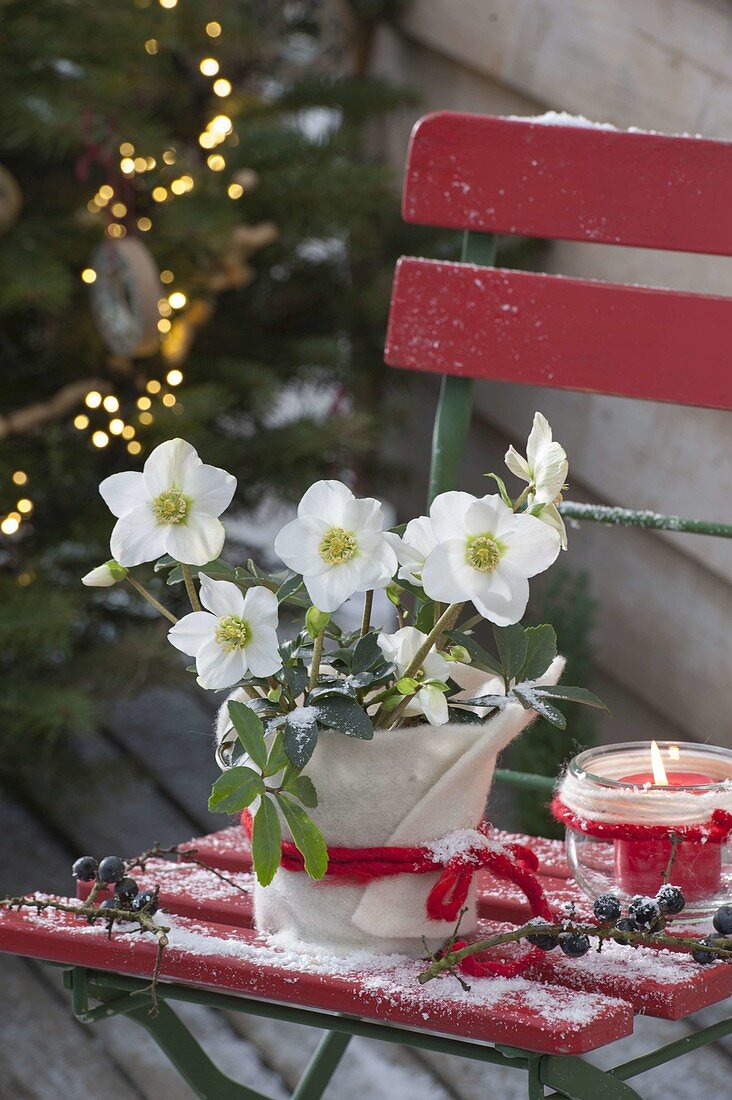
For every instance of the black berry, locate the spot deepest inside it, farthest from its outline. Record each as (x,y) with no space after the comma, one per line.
(125,891)
(546,943)
(147,901)
(85,869)
(699,955)
(670,899)
(606,908)
(625,924)
(574,944)
(723,920)
(111,869)
(110,903)
(644,911)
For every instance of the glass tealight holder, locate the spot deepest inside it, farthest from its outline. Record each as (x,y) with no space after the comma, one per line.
(616,786)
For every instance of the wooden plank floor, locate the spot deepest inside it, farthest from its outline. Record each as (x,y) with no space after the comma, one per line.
(145,777)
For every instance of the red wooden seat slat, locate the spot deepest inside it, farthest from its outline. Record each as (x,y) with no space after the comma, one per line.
(520,1012)
(546,330)
(569,182)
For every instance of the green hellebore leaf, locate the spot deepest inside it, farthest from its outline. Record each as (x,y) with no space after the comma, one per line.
(345,716)
(250,732)
(301,734)
(301,786)
(571,695)
(501,489)
(277,758)
(541,650)
(234,789)
(530,700)
(512,645)
(289,587)
(266,841)
(307,836)
(367,653)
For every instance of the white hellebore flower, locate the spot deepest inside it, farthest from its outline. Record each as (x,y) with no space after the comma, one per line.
(104,576)
(545,469)
(338,545)
(401,648)
(486,553)
(235,635)
(172,507)
(413,547)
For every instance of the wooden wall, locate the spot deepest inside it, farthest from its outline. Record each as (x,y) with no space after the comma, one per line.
(665,631)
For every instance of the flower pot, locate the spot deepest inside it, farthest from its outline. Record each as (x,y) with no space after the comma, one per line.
(407,787)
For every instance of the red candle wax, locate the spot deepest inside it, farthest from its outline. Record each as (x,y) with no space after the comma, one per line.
(641,864)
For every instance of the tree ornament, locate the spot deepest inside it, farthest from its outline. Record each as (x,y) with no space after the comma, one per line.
(11,199)
(124,296)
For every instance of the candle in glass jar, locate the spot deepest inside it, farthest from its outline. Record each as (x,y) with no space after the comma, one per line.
(640,865)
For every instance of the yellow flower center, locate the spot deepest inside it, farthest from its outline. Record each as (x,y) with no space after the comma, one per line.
(171,507)
(232,633)
(338,546)
(483,553)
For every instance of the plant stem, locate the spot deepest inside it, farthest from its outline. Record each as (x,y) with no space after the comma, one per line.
(142,591)
(368,603)
(602,932)
(672,857)
(389,720)
(317,654)
(190,587)
(522,498)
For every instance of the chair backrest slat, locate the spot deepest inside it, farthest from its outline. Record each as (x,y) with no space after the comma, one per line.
(570,182)
(546,330)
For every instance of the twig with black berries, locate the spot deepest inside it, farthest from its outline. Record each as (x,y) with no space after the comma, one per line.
(185,855)
(642,927)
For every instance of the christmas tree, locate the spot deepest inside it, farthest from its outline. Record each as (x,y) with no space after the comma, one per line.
(193,243)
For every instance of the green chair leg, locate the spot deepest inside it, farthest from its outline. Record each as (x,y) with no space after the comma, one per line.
(188,1057)
(576,1079)
(322,1066)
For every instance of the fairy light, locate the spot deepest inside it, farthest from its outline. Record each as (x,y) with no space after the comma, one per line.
(134,447)
(126,149)
(116,231)
(144,403)
(154,386)
(111,404)
(209,66)
(178,187)
(152,46)
(188,182)
(24,579)
(128,432)
(221,124)
(168,4)
(89,275)
(177,299)
(216,162)
(93,399)
(222,87)
(106,192)
(164,307)
(116,426)
(159,194)
(20,477)
(144,224)
(15,515)
(169,156)
(164,325)
(168,400)
(174,377)
(213,29)
(140,164)
(166,276)
(145,418)
(9,525)
(235,190)
(150,163)
(100,439)
(81,421)
(25,506)
(119,209)
(207,140)
(127,165)
(92,206)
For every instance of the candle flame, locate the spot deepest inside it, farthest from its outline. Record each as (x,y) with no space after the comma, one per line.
(674,752)
(659,772)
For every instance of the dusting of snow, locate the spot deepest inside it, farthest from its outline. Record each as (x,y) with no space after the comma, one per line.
(564,118)
(461,842)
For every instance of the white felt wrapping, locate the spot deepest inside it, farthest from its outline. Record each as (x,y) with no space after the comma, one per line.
(405,787)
